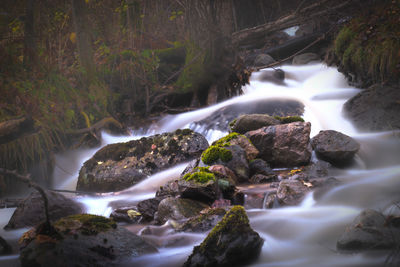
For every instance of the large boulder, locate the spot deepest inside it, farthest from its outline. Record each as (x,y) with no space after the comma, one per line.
(375,109)
(219,120)
(178,209)
(119,166)
(232,242)
(334,147)
(284,145)
(30,211)
(369,230)
(250,122)
(81,240)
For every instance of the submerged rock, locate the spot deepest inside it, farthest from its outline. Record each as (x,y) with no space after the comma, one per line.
(30,211)
(119,166)
(232,242)
(375,109)
(250,122)
(335,147)
(126,214)
(368,231)
(285,145)
(81,240)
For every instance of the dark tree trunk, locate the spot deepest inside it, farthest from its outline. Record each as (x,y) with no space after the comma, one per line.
(29,38)
(83,37)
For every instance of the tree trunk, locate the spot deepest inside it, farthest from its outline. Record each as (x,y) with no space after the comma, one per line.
(29,38)
(83,37)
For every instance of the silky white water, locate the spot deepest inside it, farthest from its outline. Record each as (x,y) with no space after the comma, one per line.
(305,235)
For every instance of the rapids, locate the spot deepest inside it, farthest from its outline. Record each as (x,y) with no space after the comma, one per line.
(305,235)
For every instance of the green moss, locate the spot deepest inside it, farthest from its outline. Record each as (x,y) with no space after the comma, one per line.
(288,119)
(199,177)
(184,132)
(233,221)
(87,224)
(368,45)
(225,140)
(213,153)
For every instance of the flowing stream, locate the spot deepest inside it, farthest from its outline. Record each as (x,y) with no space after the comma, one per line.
(305,235)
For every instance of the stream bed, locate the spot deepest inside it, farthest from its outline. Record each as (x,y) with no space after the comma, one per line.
(304,235)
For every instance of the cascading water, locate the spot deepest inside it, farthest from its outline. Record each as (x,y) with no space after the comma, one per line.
(305,235)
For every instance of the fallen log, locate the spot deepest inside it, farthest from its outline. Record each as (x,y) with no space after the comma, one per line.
(14,128)
(322,8)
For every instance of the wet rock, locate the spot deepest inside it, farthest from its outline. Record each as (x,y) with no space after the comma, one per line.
(170,189)
(5,248)
(262,179)
(305,58)
(224,172)
(335,147)
(149,207)
(237,162)
(219,120)
(368,231)
(203,222)
(276,76)
(126,214)
(244,142)
(178,209)
(30,211)
(250,122)
(375,109)
(263,60)
(291,192)
(318,169)
(119,166)
(232,242)
(81,240)
(204,192)
(323,185)
(284,145)
(259,166)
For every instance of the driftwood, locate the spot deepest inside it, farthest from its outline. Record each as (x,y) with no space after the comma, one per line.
(12,129)
(106,123)
(26,179)
(322,8)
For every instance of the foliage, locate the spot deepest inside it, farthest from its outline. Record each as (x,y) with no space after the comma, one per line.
(369,45)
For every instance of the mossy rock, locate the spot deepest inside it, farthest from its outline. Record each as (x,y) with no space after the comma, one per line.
(214,153)
(87,224)
(288,119)
(231,242)
(199,177)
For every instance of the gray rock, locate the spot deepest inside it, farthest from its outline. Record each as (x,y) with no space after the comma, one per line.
(149,207)
(369,231)
(30,211)
(262,179)
(82,240)
(305,58)
(263,60)
(220,119)
(232,242)
(285,145)
(126,214)
(119,166)
(291,192)
(335,147)
(203,222)
(375,109)
(259,166)
(250,122)
(178,209)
